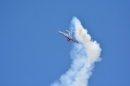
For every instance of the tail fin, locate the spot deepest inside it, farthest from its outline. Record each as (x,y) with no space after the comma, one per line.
(68,32)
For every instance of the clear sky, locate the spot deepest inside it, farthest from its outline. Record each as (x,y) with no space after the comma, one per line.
(33,53)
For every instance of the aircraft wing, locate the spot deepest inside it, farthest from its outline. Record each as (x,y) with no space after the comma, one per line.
(66,35)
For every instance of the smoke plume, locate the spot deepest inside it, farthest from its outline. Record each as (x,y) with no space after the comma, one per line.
(84,56)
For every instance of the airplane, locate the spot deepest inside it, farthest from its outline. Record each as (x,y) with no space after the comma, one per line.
(69,37)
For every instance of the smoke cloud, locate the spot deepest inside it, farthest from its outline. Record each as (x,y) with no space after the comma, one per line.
(84,56)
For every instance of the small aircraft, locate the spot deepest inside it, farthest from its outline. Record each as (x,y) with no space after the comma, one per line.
(69,37)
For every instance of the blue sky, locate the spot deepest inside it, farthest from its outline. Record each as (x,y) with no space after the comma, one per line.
(33,53)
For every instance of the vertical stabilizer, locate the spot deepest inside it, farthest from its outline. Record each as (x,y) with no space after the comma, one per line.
(68,32)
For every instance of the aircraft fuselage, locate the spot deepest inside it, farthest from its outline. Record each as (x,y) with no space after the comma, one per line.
(68,36)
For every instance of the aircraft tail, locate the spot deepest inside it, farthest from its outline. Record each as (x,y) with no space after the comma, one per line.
(68,32)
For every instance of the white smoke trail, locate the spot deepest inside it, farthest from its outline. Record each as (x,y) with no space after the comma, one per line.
(84,56)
